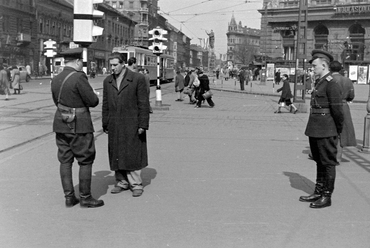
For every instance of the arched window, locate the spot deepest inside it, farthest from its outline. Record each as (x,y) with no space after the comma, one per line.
(356,45)
(321,37)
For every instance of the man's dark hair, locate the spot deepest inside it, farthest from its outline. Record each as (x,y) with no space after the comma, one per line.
(335,66)
(120,56)
(131,61)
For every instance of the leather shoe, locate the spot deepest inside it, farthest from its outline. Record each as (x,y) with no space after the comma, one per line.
(118,189)
(322,202)
(71,201)
(90,202)
(137,192)
(309,198)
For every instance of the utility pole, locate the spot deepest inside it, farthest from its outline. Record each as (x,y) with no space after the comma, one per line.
(301,51)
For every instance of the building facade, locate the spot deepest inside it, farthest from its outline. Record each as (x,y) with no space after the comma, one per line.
(341,27)
(18,38)
(242,43)
(143,12)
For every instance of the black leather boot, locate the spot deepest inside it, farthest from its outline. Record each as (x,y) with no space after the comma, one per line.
(86,200)
(67,184)
(323,201)
(316,194)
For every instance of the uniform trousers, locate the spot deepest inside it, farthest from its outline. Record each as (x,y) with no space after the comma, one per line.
(79,146)
(324,153)
(125,178)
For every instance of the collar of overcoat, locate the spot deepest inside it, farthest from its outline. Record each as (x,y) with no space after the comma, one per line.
(128,77)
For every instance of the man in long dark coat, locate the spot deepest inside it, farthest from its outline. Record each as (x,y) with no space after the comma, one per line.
(125,120)
(347,137)
(324,125)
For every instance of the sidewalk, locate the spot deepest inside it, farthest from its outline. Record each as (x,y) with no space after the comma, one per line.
(269,88)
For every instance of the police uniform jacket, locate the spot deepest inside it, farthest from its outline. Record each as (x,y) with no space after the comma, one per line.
(76,93)
(125,110)
(325,96)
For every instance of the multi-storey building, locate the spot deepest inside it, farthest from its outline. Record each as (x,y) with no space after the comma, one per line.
(54,20)
(119,30)
(18,43)
(178,45)
(242,43)
(341,27)
(143,12)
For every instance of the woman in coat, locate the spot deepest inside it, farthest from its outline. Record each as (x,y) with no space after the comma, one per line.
(16,80)
(347,137)
(179,85)
(286,95)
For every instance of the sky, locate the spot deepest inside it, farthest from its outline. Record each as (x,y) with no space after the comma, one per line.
(196,17)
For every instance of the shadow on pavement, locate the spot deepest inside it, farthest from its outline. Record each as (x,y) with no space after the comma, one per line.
(147,175)
(300,182)
(99,184)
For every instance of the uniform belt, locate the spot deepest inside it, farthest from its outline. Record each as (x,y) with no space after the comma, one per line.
(78,110)
(320,111)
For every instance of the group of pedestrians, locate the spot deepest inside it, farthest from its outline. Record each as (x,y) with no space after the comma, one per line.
(10,80)
(125,118)
(196,86)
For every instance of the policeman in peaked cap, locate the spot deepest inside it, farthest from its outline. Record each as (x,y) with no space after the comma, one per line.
(324,126)
(321,54)
(72,54)
(73,96)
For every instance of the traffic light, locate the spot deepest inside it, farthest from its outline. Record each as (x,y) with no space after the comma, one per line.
(158,37)
(84,30)
(50,48)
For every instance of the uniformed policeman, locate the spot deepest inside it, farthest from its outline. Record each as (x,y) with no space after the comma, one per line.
(324,125)
(73,95)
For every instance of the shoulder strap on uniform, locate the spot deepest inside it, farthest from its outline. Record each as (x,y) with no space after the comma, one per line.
(61,87)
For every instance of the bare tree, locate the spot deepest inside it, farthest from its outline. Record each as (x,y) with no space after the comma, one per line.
(244,53)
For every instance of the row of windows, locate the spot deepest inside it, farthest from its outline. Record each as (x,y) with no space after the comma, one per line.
(239,41)
(295,3)
(55,28)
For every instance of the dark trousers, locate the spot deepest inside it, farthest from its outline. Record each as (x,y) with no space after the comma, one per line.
(324,153)
(201,98)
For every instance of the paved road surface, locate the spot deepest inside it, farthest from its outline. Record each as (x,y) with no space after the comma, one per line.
(229,176)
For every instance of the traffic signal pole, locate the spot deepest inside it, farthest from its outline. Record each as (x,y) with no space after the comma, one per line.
(158,93)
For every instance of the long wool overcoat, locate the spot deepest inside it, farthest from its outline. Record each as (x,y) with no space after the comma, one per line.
(125,110)
(347,137)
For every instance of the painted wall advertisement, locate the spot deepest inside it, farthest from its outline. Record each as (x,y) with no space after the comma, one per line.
(353,72)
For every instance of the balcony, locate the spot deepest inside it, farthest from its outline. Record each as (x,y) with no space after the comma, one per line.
(23,38)
(144,10)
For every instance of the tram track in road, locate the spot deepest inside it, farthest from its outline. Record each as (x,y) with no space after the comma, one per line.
(44,136)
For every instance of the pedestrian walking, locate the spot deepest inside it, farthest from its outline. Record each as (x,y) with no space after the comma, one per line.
(28,69)
(4,83)
(125,120)
(73,96)
(286,95)
(241,79)
(179,85)
(277,77)
(203,88)
(325,124)
(192,76)
(347,137)
(16,82)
